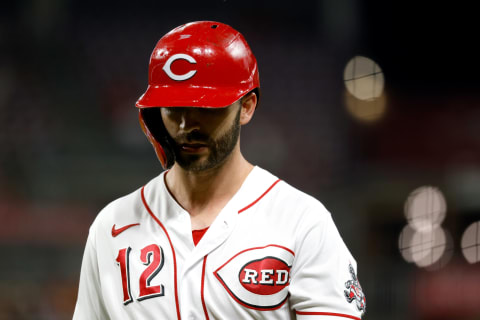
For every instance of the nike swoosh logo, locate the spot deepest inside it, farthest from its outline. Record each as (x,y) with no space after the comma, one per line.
(116,232)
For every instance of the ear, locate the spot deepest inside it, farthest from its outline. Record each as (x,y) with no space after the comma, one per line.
(248,105)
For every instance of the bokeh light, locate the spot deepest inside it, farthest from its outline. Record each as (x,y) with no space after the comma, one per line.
(365,111)
(425,208)
(363,78)
(423,241)
(364,82)
(405,243)
(428,247)
(471,243)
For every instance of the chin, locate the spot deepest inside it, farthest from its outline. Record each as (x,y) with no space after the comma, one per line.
(195,165)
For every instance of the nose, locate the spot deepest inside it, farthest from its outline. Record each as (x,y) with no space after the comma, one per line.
(189,120)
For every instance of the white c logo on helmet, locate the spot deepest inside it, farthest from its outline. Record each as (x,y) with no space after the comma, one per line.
(179,77)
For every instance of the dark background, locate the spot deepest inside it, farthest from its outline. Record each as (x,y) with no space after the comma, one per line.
(71,71)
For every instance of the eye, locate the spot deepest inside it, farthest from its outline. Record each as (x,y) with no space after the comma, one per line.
(214,111)
(209,110)
(173,110)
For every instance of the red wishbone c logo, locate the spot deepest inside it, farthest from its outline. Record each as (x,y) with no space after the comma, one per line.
(258,278)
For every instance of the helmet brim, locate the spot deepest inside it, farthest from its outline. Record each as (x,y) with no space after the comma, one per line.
(193,96)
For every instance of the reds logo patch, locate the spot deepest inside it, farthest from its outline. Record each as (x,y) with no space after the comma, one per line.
(354,291)
(258,278)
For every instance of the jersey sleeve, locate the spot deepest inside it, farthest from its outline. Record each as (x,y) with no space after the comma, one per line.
(324,282)
(90,304)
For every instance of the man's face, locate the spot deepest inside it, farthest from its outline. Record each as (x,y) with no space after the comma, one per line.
(204,137)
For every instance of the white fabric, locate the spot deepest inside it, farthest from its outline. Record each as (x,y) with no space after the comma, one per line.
(245,254)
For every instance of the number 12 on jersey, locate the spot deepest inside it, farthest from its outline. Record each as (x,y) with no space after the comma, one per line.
(151,256)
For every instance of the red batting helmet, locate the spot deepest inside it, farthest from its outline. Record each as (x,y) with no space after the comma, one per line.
(201,64)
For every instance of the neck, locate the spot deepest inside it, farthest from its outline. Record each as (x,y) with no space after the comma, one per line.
(212,188)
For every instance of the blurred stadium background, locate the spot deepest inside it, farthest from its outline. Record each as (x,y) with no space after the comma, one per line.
(373,107)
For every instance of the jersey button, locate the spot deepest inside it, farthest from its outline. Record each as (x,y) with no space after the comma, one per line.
(191,317)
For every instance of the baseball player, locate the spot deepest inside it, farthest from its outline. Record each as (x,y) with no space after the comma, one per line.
(212,236)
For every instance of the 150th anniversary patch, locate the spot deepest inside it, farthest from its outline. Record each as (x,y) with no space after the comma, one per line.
(258,278)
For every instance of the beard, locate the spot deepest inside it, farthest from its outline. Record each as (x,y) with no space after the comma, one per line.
(219,149)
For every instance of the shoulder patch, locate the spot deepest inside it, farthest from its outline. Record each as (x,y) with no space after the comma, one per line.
(354,291)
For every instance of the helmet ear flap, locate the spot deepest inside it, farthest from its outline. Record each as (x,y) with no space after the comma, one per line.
(153,127)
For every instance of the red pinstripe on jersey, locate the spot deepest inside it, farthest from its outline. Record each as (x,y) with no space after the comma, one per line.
(203,288)
(326,314)
(171,246)
(254,202)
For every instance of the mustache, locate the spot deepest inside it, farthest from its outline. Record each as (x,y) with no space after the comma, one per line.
(192,137)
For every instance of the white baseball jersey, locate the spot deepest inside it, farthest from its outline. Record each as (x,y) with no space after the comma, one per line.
(273,252)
